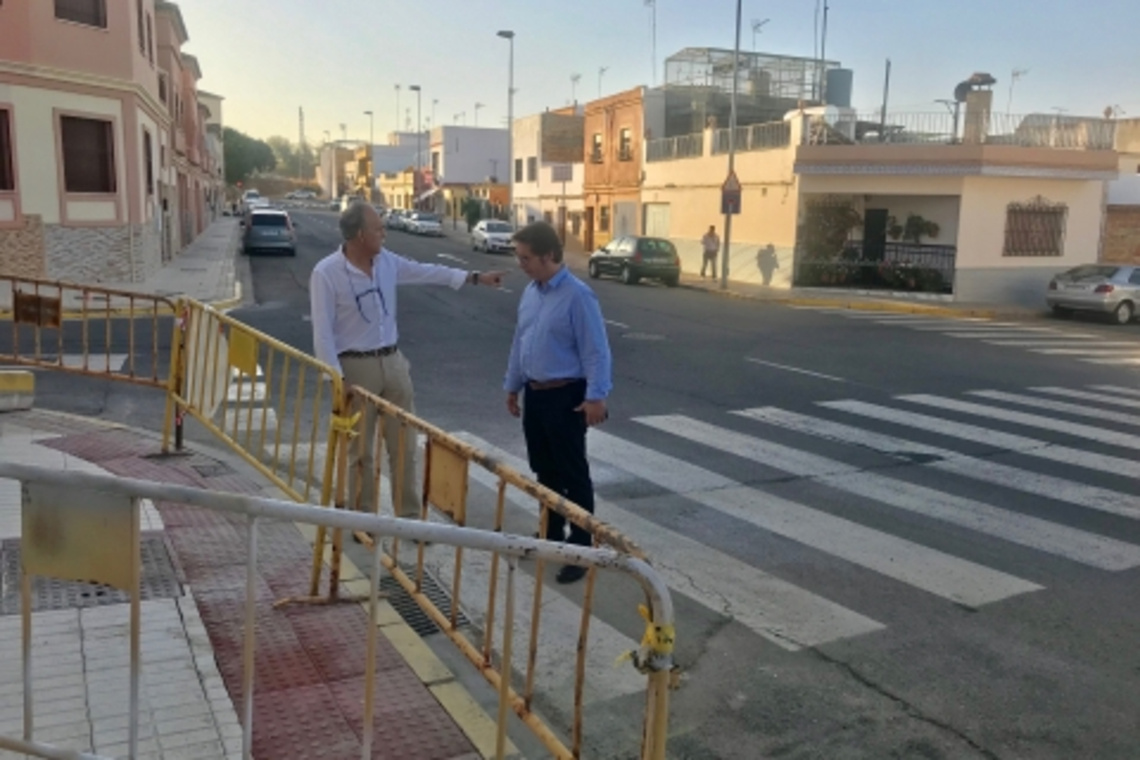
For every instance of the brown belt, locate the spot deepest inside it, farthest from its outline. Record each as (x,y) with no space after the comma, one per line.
(548,385)
(385,351)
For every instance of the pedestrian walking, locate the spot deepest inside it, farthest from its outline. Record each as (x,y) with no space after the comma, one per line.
(710,244)
(560,365)
(352,294)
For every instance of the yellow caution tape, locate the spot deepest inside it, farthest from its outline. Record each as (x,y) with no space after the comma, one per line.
(657,639)
(346,425)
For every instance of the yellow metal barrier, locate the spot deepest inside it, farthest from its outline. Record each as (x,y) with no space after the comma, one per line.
(271,403)
(101,332)
(446,473)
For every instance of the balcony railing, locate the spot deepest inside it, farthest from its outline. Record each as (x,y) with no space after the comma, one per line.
(767,136)
(1032,131)
(669,148)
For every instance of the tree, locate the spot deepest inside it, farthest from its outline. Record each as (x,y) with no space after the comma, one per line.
(287,156)
(244,155)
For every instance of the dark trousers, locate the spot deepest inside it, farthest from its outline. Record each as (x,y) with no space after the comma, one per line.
(709,261)
(556,446)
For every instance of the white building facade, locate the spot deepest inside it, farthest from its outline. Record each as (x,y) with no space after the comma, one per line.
(547,171)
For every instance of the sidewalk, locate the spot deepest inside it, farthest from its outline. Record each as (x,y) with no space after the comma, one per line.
(310,660)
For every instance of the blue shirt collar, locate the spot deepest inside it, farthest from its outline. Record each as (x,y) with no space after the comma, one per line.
(554,281)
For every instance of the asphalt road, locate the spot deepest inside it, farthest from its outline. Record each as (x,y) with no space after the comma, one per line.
(869,559)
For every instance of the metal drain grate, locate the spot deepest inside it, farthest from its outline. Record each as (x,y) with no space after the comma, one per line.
(410,611)
(159,581)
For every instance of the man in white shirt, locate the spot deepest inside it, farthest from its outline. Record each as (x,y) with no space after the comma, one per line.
(710,245)
(353,302)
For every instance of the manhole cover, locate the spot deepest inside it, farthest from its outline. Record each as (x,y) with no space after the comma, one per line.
(159,581)
(410,611)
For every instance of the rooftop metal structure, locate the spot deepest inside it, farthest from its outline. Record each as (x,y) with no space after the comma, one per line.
(760,74)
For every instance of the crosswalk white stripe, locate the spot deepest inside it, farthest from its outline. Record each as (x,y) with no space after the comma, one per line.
(995,335)
(1030,420)
(1129,361)
(1117,389)
(1034,447)
(1037,342)
(1012,327)
(1087,351)
(924,568)
(785,614)
(1086,548)
(1101,398)
(1077,410)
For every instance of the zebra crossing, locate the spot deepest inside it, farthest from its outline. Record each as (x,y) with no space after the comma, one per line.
(782,444)
(1119,350)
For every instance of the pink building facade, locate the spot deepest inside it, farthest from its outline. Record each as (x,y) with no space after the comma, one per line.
(103,172)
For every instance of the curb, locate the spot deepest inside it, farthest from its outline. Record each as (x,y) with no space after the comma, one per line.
(17,390)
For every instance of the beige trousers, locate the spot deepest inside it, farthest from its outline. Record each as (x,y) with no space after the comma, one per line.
(389,377)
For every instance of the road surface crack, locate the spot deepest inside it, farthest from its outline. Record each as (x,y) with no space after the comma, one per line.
(908,708)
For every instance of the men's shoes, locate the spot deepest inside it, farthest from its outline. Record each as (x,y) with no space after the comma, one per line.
(570,574)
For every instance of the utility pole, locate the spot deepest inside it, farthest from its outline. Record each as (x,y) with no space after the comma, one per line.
(343,131)
(1013,77)
(574,80)
(509,36)
(300,140)
(731,149)
(823,58)
(886,95)
(652,5)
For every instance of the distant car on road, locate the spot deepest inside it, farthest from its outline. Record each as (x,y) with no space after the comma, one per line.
(492,236)
(421,223)
(1102,288)
(252,199)
(395,218)
(301,195)
(634,258)
(269,230)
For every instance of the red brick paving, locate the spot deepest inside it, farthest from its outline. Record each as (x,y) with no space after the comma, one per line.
(309,660)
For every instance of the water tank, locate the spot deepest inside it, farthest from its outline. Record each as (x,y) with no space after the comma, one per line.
(839,84)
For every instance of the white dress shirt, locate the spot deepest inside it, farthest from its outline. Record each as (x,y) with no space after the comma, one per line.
(354,312)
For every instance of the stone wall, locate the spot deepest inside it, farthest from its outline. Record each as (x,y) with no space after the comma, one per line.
(102,254)
(22,248)
(1122,235)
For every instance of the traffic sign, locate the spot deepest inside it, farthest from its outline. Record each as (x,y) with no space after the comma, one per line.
(730,194)
(731,183)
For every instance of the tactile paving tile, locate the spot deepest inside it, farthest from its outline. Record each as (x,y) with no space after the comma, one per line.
(303,723)
(159,580)
(407,721)
(104,445)
(336,638)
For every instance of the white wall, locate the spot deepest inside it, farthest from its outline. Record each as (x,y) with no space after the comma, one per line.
(466,153)
(392,158)
(39,176)
(532,199)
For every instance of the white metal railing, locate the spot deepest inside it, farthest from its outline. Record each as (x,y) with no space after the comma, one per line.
(66,496)
(669,148)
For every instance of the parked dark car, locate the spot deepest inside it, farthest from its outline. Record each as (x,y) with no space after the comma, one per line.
(269,230)
(634,258)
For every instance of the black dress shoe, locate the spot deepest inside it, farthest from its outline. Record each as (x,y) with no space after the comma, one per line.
(570,574)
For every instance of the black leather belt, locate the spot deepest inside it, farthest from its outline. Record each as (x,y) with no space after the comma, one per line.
(549,385)
(385,351)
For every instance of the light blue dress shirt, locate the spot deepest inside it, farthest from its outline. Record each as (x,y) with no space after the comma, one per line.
(561,335)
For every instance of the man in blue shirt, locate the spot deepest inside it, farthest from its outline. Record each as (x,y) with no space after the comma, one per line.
(560,361)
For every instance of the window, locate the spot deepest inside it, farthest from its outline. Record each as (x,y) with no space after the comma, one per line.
(625,147)
(269,220)
(162,88)
(532,169)
(604,219)
(149,40)
(547,217)
(148,159)
(89,12)
(139,19)
(7,171)
(518,170)
(88,155)
(1134,278)
(596,149)
(1036,228)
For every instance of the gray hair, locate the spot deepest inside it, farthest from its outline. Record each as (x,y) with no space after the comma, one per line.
(352,220)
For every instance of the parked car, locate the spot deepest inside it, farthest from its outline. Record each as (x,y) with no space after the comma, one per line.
(421,223)
(348,200)
(395,218)
(252,199)
(269,230)
(1102,288)
(492,236)
(634,258)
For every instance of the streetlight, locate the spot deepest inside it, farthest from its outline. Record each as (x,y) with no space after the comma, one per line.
(330,153)
(419,135)
(731,150)
(371,143)
(574,80)
(652,5)
(477,107)
(756,27)
(508,35)
(461,115)
(602,70)
(397,108)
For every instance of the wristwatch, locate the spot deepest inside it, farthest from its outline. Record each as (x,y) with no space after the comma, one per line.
(473,277)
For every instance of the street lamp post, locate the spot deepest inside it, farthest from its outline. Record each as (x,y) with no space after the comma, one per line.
(731,150)
(477,107)
(330,153)
(652,5)
(419,135)
(510,37)
(574,79)
(756,27)
(434,103)
(371,143)
(397,108)
(601,70)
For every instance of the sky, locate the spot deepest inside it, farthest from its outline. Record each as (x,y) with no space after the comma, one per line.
(339,58)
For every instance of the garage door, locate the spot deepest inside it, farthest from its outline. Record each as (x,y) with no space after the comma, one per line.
(657,219)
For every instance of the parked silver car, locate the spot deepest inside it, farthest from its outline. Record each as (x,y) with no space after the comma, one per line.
(268,230)
(1104,288)
(492,236)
